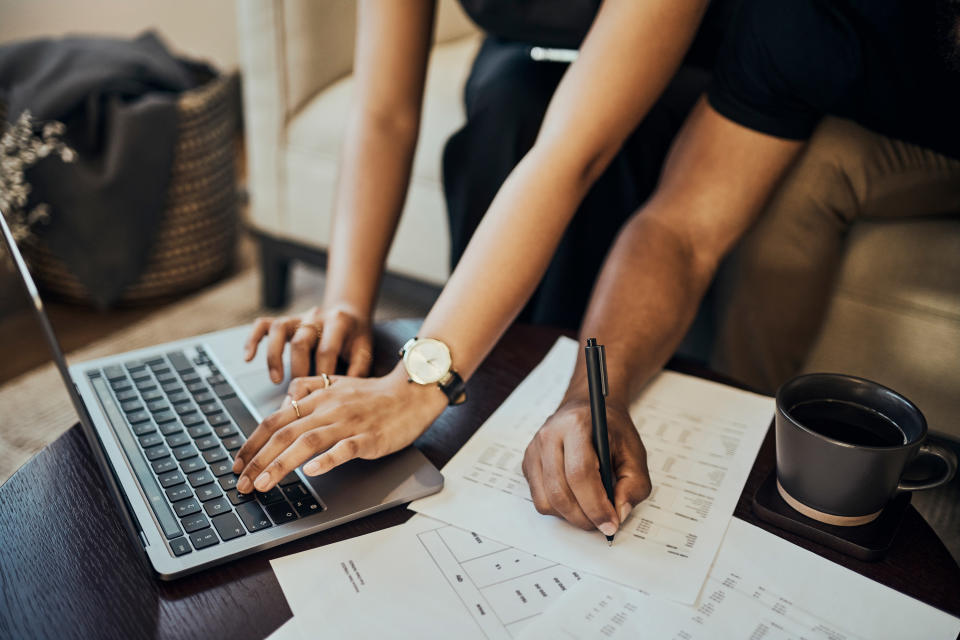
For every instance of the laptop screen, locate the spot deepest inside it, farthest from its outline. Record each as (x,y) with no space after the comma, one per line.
(61,362)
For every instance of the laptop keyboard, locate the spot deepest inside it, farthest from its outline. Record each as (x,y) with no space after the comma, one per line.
(180,424)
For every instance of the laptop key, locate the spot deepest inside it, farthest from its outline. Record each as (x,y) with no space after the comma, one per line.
(137,416)
(180,546)
(203,397)
(218,418)
(199,431)
(141,376)
(135,365)
(246,422)
(156,452)
(152,395)
(164,416)
(295,491)
(179,492)
(210,407)
(238,498)
(233,443)
(228,482)
(224,390)
(129,394)
(225,430)
(274,495)
(171,387)
(217,506)
(195,522)
(307,506)
(209,492)
(165,377)
(196,387)
(228,526)
(290,478)
(204,538)
(179,361)
(208,441)
(131,405)
(254,519)
(114,372)
(189,419)
(185,407)
(121,385)
(146,385)
(157,406)
(163,465)
(143,428)
(179,397)
(200,478)
(162,370)
(151,440)
(184,452)
(214,455)
(189,378)
(178,439)
(156,361)
(281,512)
(221,467)
(170,428)
(192,465)
(186,507)
(170,479)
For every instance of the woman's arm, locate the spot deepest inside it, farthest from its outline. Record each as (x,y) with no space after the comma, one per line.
(627,59)
(393,44)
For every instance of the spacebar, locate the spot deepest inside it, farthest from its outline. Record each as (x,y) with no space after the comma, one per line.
(240,415)
(156,498)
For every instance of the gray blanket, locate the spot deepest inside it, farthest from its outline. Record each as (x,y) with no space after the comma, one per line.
(117,99)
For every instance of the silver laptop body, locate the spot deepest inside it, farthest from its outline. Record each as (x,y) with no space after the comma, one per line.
(230,397)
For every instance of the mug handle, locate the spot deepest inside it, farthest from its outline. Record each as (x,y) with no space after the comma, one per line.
(949,459)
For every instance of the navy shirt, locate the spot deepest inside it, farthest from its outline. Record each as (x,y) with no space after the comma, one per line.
(787,63)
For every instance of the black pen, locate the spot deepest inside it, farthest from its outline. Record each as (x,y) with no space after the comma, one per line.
(597,383)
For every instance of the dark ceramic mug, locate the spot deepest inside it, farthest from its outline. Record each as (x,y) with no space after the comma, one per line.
(843,444)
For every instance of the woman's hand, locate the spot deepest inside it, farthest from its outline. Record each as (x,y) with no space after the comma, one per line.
(563,471)
(314,333)
(351,418)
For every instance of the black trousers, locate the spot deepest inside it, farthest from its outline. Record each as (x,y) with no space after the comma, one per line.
(506,98)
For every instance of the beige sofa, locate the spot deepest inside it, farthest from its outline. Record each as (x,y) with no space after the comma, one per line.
(296,58)
(895,317)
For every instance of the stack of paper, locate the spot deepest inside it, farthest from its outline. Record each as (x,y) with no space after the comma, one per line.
(504,571)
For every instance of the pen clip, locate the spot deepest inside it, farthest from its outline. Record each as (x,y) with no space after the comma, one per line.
(602,357)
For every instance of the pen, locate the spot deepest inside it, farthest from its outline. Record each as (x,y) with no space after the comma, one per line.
(597,384)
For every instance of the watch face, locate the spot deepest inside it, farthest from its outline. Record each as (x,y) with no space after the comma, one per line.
(427,361)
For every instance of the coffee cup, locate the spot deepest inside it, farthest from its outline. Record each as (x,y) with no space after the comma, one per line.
(843,444)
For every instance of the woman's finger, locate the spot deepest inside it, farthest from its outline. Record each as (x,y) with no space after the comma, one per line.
(331,342)
(343,451)
(280,332)
(305,338)
(287,449)
(361,355)
(260,328)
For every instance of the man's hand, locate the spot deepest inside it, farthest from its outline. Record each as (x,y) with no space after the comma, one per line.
(314,334)
(563,471)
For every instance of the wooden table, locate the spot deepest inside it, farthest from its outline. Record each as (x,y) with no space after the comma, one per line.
(68,570)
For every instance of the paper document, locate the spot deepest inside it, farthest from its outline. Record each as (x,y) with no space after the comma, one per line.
(701,440)
(422,579)
(761,586)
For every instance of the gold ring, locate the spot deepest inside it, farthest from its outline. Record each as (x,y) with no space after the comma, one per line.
(310,325)
(296,407)
(326,380)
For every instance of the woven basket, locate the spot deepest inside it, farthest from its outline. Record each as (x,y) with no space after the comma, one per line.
(196,240)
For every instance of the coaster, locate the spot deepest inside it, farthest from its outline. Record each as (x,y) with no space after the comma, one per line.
(865,542)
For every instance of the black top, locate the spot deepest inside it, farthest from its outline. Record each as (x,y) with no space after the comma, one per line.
(880,63)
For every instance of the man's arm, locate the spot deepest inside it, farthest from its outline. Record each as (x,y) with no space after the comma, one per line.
(716,180)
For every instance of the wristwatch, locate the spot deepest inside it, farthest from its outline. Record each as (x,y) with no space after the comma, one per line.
(428,361)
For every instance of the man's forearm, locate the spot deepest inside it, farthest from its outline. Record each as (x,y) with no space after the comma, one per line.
(642,305)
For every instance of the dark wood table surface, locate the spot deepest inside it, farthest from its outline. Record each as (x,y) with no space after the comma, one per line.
(68,569)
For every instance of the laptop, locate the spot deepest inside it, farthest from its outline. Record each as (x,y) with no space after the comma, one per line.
(164,424)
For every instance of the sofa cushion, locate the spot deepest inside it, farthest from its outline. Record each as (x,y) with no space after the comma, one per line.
(314,139)
(895,317)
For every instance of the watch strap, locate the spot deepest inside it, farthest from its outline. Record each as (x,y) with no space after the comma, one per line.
(454,387)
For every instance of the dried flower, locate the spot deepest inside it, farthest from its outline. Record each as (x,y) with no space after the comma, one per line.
(20,149)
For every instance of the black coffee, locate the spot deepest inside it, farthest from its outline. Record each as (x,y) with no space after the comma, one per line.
(848,422)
